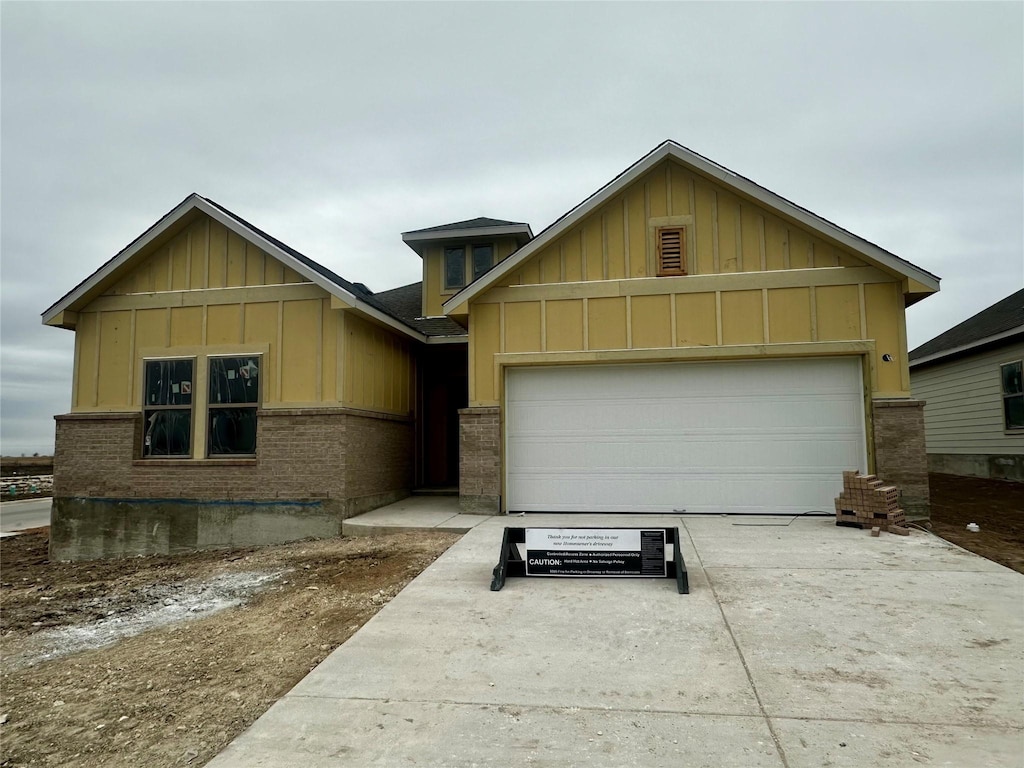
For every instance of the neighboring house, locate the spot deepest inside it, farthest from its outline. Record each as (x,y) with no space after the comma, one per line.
(972,381)
(682,339)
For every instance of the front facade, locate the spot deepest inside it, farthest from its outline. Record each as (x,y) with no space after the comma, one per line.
(972,378)
(681,340)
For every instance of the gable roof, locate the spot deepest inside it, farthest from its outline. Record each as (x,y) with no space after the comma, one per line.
(1002,320)
(406,303)
(354,295)
(711,170)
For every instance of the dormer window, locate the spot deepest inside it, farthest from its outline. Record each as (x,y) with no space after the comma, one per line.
(454,268)
(458,272)
(483,259)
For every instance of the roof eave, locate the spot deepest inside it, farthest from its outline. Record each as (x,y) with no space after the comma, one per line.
(963,348)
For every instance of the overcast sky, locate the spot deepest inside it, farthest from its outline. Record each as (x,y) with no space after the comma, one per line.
(337,126)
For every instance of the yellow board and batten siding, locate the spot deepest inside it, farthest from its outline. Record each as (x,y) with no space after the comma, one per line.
(239,300)
(594,290)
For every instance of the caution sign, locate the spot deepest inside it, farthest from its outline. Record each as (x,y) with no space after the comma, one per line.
(596,552)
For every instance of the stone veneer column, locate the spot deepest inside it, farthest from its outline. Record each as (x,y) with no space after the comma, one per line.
(480,460)
(900,455)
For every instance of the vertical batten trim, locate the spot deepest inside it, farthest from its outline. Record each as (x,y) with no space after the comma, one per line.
(206,310)
(339,352)
(810,254)
(75,371)
(96,360)
(319,351)
(561,259)
(543,325)
(206,272)
(648,256)
(668,190)
(901,357)
(188,259)
(692,202)
(764,316)
(604,244)
(501,327)
(761,243)
(785,249)
(739,237)
(241,322)
(629,322)
(814,314)
(625,236)
(584,272)
(131,362)
(586,323)
(279,355)
(718,316)
(245,261)
(672,318)
(715,256)
(863,311)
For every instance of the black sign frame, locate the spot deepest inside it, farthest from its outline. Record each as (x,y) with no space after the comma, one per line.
(512,563)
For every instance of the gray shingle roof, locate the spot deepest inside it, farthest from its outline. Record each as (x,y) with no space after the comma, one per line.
(406,303)
(480,222)
(1001,317)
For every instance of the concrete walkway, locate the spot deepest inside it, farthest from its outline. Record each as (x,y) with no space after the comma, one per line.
(802,646)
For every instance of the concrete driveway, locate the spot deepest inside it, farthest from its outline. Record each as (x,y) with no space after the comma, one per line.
(803,646)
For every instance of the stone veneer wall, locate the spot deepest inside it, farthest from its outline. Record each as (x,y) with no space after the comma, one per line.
(480,460)
(313,468)
(900,456)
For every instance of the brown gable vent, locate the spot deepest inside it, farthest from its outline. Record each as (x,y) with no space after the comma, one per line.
(672,251)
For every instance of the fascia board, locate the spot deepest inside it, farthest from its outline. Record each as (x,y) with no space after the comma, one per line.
(456,234)
(1019,330)
(711,170)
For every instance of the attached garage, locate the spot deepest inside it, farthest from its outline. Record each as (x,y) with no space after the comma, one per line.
(756,437)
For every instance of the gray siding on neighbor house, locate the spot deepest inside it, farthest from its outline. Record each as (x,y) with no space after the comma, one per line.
(964,410)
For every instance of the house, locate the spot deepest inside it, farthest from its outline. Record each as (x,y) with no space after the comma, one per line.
(971,379)
(683,339)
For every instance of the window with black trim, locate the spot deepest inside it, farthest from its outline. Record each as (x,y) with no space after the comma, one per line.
(671,243)
(1012,375)
(454,267)
(483,259)
(234,398)
(167,407)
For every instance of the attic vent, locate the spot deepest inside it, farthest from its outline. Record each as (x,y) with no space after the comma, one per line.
(672,251)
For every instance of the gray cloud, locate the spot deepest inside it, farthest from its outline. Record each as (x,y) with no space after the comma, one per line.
(336,126)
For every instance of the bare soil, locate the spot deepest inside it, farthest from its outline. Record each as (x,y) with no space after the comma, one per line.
(997,506)
(183,674)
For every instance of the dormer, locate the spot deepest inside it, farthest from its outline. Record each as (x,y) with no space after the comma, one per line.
(456,254)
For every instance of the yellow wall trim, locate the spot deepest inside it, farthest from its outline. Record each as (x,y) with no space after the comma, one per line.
(206,296)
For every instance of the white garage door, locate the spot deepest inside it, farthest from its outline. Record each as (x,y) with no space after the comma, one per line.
(755,437)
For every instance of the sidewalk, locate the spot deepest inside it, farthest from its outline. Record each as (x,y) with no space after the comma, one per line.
(800,646)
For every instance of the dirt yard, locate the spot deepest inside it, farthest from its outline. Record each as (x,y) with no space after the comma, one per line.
(997,506)
(200,644)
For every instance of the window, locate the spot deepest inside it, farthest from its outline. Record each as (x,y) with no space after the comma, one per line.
(671,251)
(454,267)
(483,259)
(1013,394)
(231,409)
(167,407)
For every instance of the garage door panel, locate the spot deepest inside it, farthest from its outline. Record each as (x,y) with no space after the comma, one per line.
(765,436)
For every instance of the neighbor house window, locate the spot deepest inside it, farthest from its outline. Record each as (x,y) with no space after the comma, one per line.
(454,267)
(231,409)
(1013,394)
(671,242)
(167,407)
(483,259)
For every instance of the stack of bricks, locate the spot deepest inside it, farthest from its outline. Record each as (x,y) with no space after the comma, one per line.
(866,502)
